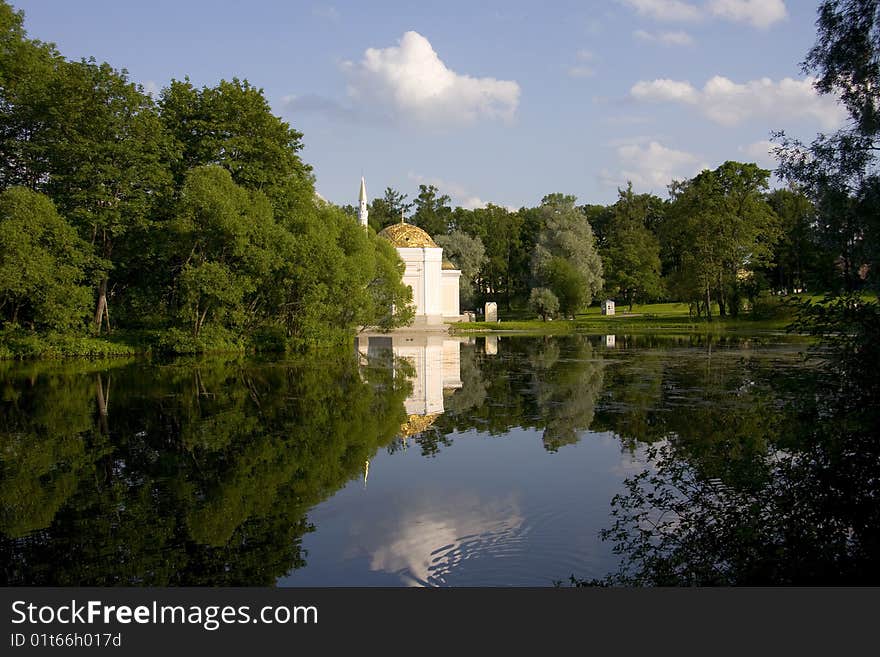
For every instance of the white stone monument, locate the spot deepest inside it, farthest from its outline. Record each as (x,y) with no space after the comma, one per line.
(491,312)
(608,307)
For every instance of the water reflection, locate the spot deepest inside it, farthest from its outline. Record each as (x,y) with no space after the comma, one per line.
(191,473)
(247,472)
(432,367)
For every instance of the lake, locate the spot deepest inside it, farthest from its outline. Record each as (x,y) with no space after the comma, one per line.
(409,460)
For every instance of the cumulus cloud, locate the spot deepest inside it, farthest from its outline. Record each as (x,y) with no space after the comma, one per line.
(411,82)
(665,10)
(664,38)
(729,103)
(650,165)
(760,13)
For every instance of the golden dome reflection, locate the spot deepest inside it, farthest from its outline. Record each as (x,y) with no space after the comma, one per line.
(407,236)
(417,424)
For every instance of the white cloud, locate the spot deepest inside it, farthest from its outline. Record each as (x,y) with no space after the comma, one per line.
(760,13)
(665,10)
(412,82)
(151,88)
(678,38)
(761,153)
(664,89)
(473,202)
(728,103)
(650,165)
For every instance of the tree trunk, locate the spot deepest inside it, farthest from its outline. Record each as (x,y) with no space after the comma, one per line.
(103,403)
(102,312)
(708,304)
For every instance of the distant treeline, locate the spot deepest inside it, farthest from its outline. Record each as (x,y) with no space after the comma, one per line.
(721,241)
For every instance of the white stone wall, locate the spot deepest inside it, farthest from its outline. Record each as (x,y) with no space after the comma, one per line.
(449,292)
(423,275)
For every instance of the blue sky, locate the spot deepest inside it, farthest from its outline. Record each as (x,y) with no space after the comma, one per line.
(498,102)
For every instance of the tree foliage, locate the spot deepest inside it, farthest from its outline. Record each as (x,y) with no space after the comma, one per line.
(723,229)
(44,265)
(632,252)
(544,303)
(565,259)
(196,212)
(469,255)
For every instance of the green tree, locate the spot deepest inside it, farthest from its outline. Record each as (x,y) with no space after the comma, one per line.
(388,210)
(499,229)
(632,254)
(228,250)
(838,171)
(44,265)
(231,124)
(81,133)
(797,261)
(720,227)
(543,302)
(432,211)
(467,254)
(565,257)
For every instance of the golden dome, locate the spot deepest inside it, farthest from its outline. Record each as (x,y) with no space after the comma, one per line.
(407,236)
(448,265)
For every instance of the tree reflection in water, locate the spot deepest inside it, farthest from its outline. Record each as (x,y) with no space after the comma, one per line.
(190,473)
(203,472)
(753,494)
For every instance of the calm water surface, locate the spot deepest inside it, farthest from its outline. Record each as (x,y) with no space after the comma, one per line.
(414,460)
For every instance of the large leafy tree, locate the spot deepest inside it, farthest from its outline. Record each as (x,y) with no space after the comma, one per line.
(228,245)
(499,230)
(797,261)
(469,255)
(632,251)
(433,213)
(232,125)
(87,137)
(565,259)
(720,228)
(43,264)
(388,210)
(838,171)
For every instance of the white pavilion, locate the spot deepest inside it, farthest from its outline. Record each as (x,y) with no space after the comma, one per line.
(433,280)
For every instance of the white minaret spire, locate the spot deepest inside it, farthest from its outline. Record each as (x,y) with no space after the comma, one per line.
(362,210)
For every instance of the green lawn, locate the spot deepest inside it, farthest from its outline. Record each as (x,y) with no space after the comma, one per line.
(654,317)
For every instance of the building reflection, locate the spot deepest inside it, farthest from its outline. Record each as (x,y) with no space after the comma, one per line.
(434,366)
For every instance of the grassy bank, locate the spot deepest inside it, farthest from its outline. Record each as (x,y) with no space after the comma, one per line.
(646,318)
(18,344)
